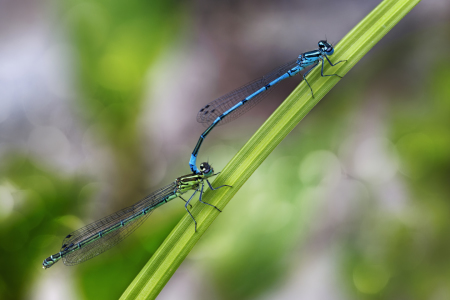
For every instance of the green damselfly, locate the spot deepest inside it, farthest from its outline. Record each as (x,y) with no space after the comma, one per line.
(99,236)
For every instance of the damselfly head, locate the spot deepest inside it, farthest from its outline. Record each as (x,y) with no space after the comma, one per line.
(206,168)
(326,47)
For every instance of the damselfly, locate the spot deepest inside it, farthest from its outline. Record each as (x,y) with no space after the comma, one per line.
(95,238)
(239,101)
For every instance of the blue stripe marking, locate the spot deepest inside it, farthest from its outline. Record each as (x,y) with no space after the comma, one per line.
(306,59)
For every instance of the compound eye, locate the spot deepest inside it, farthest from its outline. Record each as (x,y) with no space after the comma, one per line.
(205,167)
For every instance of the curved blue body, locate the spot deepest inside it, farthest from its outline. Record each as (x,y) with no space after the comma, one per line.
(255,91)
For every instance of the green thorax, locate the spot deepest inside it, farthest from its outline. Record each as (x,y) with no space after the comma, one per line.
(190,182)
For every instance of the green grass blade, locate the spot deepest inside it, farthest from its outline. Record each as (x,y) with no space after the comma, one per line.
(157,272)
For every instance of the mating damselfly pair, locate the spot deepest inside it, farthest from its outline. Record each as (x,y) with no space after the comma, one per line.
(99,236)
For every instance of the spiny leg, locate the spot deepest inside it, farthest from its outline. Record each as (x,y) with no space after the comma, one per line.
(187,202)
(331,64)
(200,197)
(211,187)
(184,200)
(321,71)
(304,77)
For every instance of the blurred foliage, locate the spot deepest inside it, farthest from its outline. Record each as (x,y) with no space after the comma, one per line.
(116,43)
(403,254)
(260,239)
(39,201)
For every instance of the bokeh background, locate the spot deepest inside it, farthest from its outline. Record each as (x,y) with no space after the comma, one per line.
(98,101)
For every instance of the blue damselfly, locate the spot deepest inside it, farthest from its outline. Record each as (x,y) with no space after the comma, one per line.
(239,101)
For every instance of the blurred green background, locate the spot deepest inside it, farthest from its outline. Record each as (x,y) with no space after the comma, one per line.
(97,108)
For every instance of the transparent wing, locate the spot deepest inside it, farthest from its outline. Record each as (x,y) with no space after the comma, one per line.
(212,110)
(132,213)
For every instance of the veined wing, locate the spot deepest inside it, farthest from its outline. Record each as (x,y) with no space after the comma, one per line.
(105,233)
(214,109)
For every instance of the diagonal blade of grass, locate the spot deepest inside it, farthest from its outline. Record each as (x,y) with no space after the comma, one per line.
(157,272)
